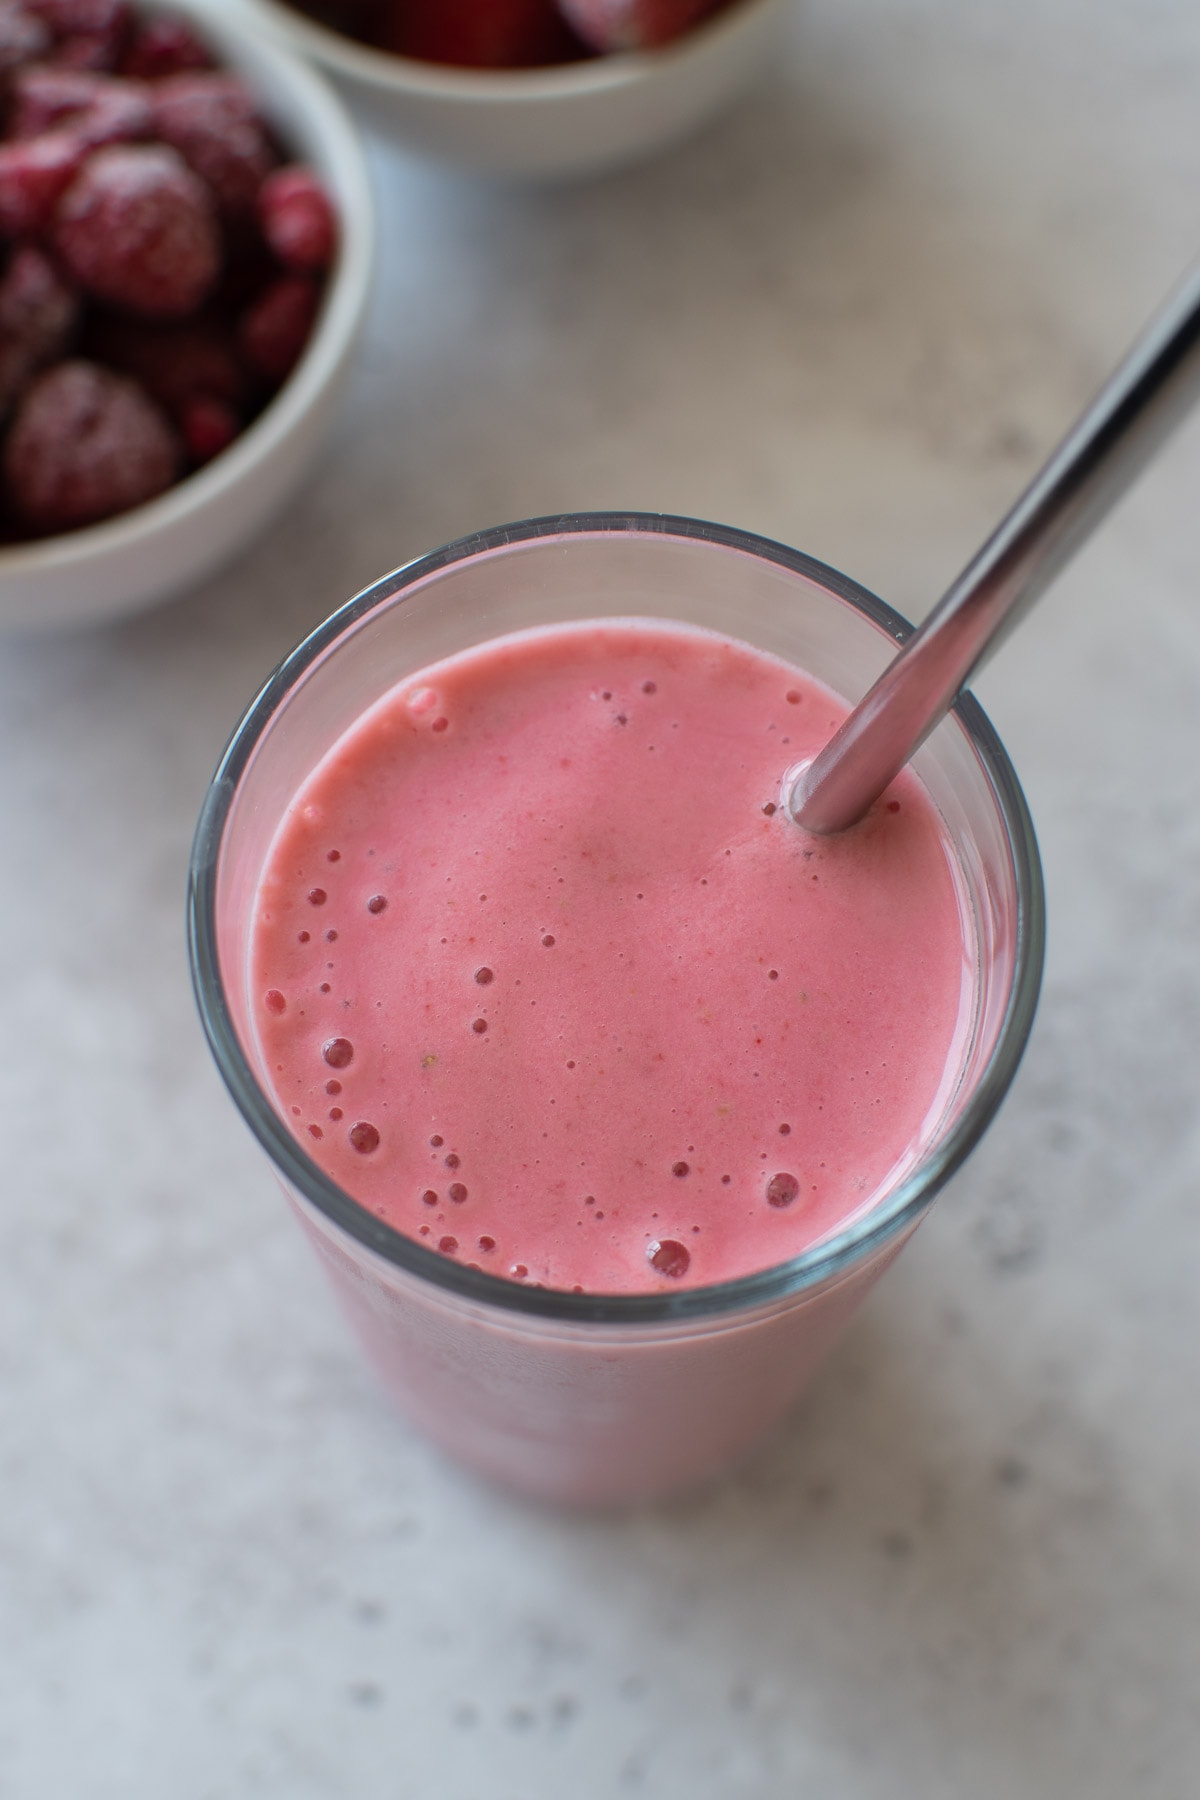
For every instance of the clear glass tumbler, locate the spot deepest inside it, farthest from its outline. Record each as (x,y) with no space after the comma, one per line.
(603,1398)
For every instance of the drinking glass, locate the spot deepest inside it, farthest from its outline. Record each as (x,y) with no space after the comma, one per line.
(600,1398)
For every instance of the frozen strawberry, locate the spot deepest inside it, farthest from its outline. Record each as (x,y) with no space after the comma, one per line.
(137,229)
(297,218)
(635,24)
(212,120)
(33,176)
(209,426)
(23,38)
(159,47)
(274,330)
(85,444)
(503,34)
(39,314)
(99,109)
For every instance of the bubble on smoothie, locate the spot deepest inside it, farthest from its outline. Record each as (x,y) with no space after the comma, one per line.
(669,1257)
(458,1192)
(336,1113)
(364,1137)
(422,701)
(770,808)
(479,1026)
(303,937)
(782,1190)
(519,1271)
(548,942)
(274,1001)
(325,988)
(452,1160)
(487,1243)
(333,856)
(437,1140)
(317,896)
(679,1169)
(315,1131)
(338,1053)
(429,1197)
(649,687)
(772,974)
(333,1087)
(377,903)
(793,697)
(439,724)
(893,806)
(785,1131)
(331,937)
(448,1245)
(484,976)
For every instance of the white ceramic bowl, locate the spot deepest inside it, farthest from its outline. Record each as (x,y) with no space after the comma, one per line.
(569,120)
(142,556)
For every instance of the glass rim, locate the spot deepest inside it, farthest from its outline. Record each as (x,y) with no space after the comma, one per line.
(826,1260)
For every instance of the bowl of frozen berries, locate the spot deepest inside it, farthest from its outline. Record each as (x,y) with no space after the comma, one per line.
(542,89)
(185,258)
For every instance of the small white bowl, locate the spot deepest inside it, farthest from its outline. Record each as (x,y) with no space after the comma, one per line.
(105,571)
(548,123)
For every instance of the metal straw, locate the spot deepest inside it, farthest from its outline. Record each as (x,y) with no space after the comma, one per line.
(1109,445)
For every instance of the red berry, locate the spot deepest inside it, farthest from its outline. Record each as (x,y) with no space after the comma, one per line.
(501,34)
(163,47)
(212,120)
(274,330)
(23,38)
(33,177)
(634,24)
(297,218)
(99,109)
(84,445)
(209,426)
(81,18)
(38,317)
(136,228)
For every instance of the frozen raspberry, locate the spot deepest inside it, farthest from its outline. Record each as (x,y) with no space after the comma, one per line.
(209,426)
(297,218)
(34,174)
(212,120)
(81,18)
(634,24)
(85,444)
(38,317)
(162,47)
(274,330)
(503,34)
(23,38)
(137,229)
(98,109)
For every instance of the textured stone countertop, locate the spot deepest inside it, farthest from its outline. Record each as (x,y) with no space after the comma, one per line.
(853,315)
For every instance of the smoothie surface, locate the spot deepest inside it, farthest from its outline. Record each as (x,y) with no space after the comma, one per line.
(541,975)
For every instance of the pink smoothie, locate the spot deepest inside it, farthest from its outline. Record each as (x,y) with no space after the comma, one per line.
(543,976)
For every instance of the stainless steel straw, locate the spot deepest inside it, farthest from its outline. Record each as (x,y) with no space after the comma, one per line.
(1109,445)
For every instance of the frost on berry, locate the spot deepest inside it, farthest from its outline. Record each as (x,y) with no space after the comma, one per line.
(213,122)
(85,444)
(274,330)
(38,317)
(98,109)
(160,47)
(34,174)
(137,229)
(88,34)
(23,38)
(297,218)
